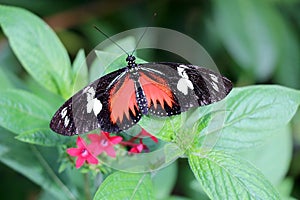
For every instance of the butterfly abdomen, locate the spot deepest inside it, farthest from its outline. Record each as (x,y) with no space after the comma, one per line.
(141,98)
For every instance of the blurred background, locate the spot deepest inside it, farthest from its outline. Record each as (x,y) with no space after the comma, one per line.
(252,42)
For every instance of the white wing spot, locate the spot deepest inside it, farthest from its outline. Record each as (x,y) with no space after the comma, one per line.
(97,106)
(214,78)
(215,86)
(66,122)
(90,94)
(184,83)
(63,112)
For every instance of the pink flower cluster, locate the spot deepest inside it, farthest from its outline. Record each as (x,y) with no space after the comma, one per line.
(103,142)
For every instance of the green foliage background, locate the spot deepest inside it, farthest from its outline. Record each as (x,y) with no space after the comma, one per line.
(251,42)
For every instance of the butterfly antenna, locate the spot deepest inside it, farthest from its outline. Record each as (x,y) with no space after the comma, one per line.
(138,42)
(98,29)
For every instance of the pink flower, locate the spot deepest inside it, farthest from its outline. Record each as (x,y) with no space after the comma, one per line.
(83,153)
(103,142)
(139,147)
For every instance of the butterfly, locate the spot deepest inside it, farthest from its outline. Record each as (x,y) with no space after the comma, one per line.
(118,100)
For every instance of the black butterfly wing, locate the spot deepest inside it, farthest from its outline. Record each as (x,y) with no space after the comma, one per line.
(90,108)
(191,86)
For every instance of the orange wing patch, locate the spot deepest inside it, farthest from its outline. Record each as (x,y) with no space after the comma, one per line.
(156,91)
(122,101)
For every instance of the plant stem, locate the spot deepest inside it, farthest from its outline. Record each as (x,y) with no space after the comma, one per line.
(128,143)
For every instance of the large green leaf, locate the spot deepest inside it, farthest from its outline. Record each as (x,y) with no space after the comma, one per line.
(248,30)
(5,83)
(22,111)
(164,181)
(44,137)
(52,99)
(120,185)
(252,114)
(37,48)
(177,128)
(80,71)
(288,71)
(274,156)
(226,177)
(177,198)
(34,163)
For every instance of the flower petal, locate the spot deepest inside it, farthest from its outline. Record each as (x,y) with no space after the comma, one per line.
(133,150)
(140,147)
(94,137)
(95,149)
(105,133)
(110,151)
(79,162)
(80,143)
(73,151)
(115,139)
(92,160)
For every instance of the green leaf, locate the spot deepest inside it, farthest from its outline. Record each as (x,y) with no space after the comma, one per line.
(22,111)
(274,156)
(37,48)
(52,99)
(5,83)
(174,128)
(163,128)
(285,188)
(252,115)
(226,177)
(45,195)
(164,181)
(44,137)
(120,185)
(80,71)
(35,164)
(177,198)
(249,34)
(288,70)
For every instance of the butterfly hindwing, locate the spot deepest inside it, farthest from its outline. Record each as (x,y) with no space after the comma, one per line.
(156,84)
(191,86)
(122,109)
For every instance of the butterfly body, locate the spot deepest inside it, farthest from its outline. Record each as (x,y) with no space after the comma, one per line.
(118,100)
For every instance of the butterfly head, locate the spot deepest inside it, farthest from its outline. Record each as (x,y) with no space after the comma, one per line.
(131,61)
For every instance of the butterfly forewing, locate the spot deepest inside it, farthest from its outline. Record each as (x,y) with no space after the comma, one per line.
(88,109)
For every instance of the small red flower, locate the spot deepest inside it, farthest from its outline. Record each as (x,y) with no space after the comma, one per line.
(139,147)
(103,142)
(83,153)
